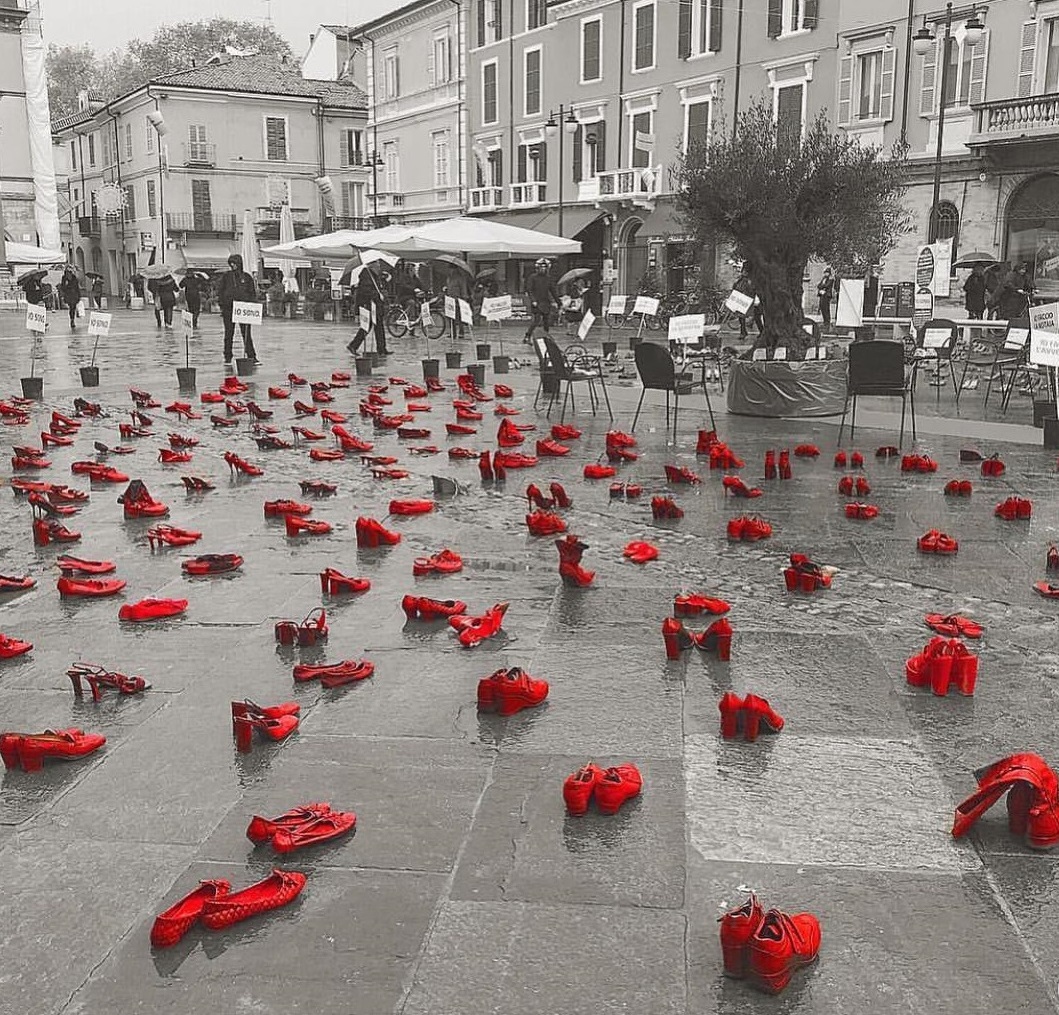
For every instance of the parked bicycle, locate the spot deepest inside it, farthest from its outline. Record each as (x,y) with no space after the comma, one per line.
(631,319)
(402,319)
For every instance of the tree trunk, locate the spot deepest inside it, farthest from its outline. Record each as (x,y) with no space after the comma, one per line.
(779,285)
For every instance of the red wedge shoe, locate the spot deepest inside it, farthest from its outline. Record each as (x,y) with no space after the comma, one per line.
(616,786)
(171,925)
(579,787)
(279,889)
(334,583)
(152,609)
(780,946)
(738,926)
(28,750)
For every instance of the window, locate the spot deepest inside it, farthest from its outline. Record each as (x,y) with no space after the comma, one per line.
(198,150)
(699,28)
(92,150)
(789,16)
(496,167)
(869,85)
(866,85)
(148,136)
(488,18)
(441,58)
(643,36)
(152,199)
(391,161)
(276,138)
(789,103)
(964,72)
(1051,61)
(130,203)
(532,163)
(201,205)
(441,159)
(945,225)
(641,139)
(697,118)
(489,108)
(107,148)
(591,49)
(536,14)
(128,142)
(352,153)
(77,201)
(590,150)
(73,155)
(353,199)
(391,74)
(531,65)
(957,74)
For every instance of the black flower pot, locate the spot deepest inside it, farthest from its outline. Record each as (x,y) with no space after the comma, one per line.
(185,378)
(430,369)
(453,360)
(501,364)
(363,365)
(90,377)
(33,387)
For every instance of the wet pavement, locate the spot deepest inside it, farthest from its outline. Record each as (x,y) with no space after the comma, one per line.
(467,888)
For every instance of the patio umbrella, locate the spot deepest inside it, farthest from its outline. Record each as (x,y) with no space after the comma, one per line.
(362,259)
(975,259)
(574,273)
(456,262)
(26,253)
(483,238)
(286,236)
(249,243)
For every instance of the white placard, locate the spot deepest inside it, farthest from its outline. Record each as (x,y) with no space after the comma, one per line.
(1044,335)
(587,321)
(686,328)
(99,323)
(616,306)
(450,308)
(942,250)
(760,354)
(246,313)
(36,318)
(780,352)
(739,303)
(425,317)
(935,338)
(496,308)
(365,318)
(850,303)
(646,305)
(187,319)
(811,353)
(466,313)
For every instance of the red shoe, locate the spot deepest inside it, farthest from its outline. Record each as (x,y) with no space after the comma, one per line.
(1014,508)
(433,384)
(717,638)
(169,457)
(707,442)
(785,465)
(721,457)
(322,828)
(138,503)
(276,729)
(953,625)
(89,586)
(770,464)
(21,462)
(536,498)
(665,509)
(454,430)
(324,455)
(152,609)
(28,750)
(864,511)
(806,451)
(937,542)
(47,530)
(231,385)
(560,496)
(411,507)
(781,945)
(466,414)
(211,398)
(278,889)
(305,434)
(304,409)
(423,608)
(12,647)
(596,471)
(958,488)
(333,583)
(45,507)
(278,393)
(565,432)
(856,460)
(992,466)
(617,785)
(296,526)
(508,691)
(371,533)
(1034,811)
(98,677)
(512,461)
(237,464)
(508,435)
(545,523)
(734,485)
(76,565)
(551,449)
(279,508)
(170,926)
(350,442)
(579,787)
(50,439)
(618,454)
(748,528)
(731,707)
(676,638)
(737,928)
(503,391)
(887,451)
(681,474)
(693,604)
(99,473)
(640,552)
(16,583)
(474,630)
(170,535)
(318,488)
(261,830)
(212,563)
(759,717)
(295,381)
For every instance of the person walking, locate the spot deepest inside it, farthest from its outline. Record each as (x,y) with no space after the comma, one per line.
(97,292)
(191,283)
(458,286)
(33,290)
(152,291)
(1011,298)
(166,295)
(974,293)
(745,285)
(369,297)
(236,286)
(542,300)
(825,294)
(70,290)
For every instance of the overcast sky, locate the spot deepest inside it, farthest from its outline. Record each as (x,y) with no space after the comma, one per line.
(108,24)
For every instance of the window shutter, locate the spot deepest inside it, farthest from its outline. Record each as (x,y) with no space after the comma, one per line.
(684,30)
(1027,58)
(812,14)
(578,159)
(542,164)
(432,69)
(930,71)
(523,154)
(886,97)
(775,18)
(716,7)
(499,170)
(481,22)
(979,59)
(845,90)
(601,145)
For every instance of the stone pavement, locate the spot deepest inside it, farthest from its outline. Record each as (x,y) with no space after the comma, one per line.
(466,888)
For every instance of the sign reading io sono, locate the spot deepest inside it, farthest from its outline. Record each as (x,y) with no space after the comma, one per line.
(1044,335)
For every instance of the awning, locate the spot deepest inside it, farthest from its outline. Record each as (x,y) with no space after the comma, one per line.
(546,220)
(284,263)
(664,221)
(26,253)
(208,255)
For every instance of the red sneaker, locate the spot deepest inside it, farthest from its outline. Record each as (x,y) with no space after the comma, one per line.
(278,889)
(737,928)
(617,785)
(579,787)
(781,945)
(565,432)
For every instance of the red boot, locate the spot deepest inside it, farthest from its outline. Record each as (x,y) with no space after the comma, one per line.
(781,945)
(737,928)
(616,786)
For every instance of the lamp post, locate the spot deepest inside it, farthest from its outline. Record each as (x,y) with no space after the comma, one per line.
(161,129)
(376,161)
(551,128)
(922,43)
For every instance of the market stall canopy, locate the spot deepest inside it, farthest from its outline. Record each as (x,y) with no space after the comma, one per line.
(340,245)
(26,253)
(474,237)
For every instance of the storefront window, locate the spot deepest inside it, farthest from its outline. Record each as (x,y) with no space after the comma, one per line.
(1033,232)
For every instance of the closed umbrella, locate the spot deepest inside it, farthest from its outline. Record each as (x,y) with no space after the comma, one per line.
(35,273)
(574,273)
(286,236)
(249,243)
(975,259)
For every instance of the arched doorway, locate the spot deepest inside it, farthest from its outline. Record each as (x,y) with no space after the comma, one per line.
(79,254)
(1033,231)
(632,256)
(945,225)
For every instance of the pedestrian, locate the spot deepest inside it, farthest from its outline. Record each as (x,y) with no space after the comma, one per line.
(1011,298)
(33,290)
(97,292)
(236,286)
(825,294)
(166,295)
(369,297)
(974,293)
(152,291)
(191,283)
(542,300)
(745,285)
(70,289)
(458,286)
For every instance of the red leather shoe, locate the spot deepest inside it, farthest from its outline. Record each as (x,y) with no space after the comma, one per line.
(333,583)
(99,473)
(167,456)
(806,451)
(579,787)
(856,460)
(560,496)
(937,542)
(137,502)
(512,690)
(466,413)
(371,533)
(51,440)
(544,523)
(21,462)
(665,509)
(221,422)
(16,583)
(424,608)
(97,678)
(536,498)
(212,563)
(44,506)
(512,461)
(474,630)
(12,647)
(279,889)
(281,508)
(693,604)
(595,471)
(411,507)
(953,625)
(738,926)
(508,435)
(840,460)
(1014,509)
(784,467)
(170,535)
(350,442)
(485,467)
(152,609)
(717,638)
(770,464)
(237,464)
(617,785)
(731,708)
(735,486)
(77,565)
(571,550)
(306,434)
(89,587)
(334,674)
(681,474)
(780,946)
(992,466)
(324,455)
(1034,811)
(759,717)
(565,432)
(28,750)
(171,925)
(676,638)
(323,828)
(958,488)
(640,552)
(503,391)
(318,488)
(47,530)
(453,429)
(261,830)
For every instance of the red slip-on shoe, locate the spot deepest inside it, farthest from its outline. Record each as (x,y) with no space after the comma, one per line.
(10,648)
(640,552)
(545,523)
(28,750)
(579,787)
(279,889)
(806,451)
(993,466)
(172,924)
(349,671)
(456,430)
(549,448)
(731,709)
(862,511)
(693,604)
(411,507)
(261,829)
(16,583)
(212,563)
(781,945)
(517,690)
(738,926)
(596,471)
(503,391)
(312,833)
(280,508)
(89,587)
(616,785)
(759,717)
(735,486)
(152,609)
(512,461)
(333,583)
(466,414)
(565,432)
(78,565)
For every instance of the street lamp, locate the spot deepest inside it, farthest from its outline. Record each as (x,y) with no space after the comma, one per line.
(922,43)
(375,161)
(551,128)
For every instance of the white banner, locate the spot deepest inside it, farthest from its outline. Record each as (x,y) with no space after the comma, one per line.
(496,308)
(942,250)
(187,319)
(646,305)
(739,303)
(587,321)
(1044,335)
(466,313)
(99,323)
(686,328)
(450,308)
(36,318)
(616,306)
(923,307)
(425,317)
(246,313)
(365,318)
(850,303)
(644,142)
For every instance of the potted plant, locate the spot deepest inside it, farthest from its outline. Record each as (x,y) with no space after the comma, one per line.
(33,386)
(186,373)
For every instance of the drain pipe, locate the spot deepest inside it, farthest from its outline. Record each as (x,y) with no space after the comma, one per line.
(908,72)
(459,101)
(739,68)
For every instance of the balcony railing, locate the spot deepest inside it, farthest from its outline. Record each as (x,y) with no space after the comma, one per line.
(199,153)
(273,212)
(484,198)
(89,225)
(216,222)
(1033,116)
(640,186)
(357,222)
(529,193)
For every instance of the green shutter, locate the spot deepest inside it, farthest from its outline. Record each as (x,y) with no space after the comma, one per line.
(979,60)
(930,72)
(577,161)
(1027,58)
(886,103)
(845,90)
(684,30)
(600,130)
(775,18)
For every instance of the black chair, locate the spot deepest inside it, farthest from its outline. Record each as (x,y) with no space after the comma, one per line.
(877,368)
(998,353)
(935,343)
(584,370)
(547,383)
(658,372)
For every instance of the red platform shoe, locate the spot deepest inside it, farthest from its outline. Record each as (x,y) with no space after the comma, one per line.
(170,926)
(334,583)
(738,926)
(89,587)
(97,678)
(735,486)
(759,717)
(781,946)
(138,503)
(579,788)
(1033,807)
(10,648)
(371,533)
(170,535)
(279,889)
(28,750)
(806,576)
(508,691)
(545,523)
(152,609)
(571,550)
(616,786)
(212,563)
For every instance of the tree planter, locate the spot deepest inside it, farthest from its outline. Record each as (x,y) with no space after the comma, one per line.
(483,350)
(363,365)
(477,371)
(501,364)
(1051,432)
(90,377)
(610,348)
(430,368)
(1043,408)
(33,387)
(243,366)
(453,360)
(185,378)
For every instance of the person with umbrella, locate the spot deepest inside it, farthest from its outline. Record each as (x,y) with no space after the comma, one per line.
(542,300)
(191,283)
(70,290)
(974,293)
(369,297)
(458,286)
(166,294)
(1011,298)
(235,286)
(31,286)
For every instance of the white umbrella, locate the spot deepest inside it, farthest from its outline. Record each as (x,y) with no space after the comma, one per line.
(340,245)
(360,260)
(286,236)
(249,244)
(471,236)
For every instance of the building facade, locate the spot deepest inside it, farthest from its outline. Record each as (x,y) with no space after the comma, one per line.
(16,170)
(181,162)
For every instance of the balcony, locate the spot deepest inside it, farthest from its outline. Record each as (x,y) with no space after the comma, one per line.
(487,198)
(200,154)
(358,223)
(272,214)
(638,187)
(527,194)
(89,226)
(1014,121)
(218,224)
(267,222)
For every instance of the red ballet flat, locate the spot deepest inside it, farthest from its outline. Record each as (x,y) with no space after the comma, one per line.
(152,609)
(171,925)
(78,565)
(89,587)
(411,507)
(212,563)
(279,889)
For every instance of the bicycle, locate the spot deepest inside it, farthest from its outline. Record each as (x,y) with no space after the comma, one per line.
(402,319)
(629,318)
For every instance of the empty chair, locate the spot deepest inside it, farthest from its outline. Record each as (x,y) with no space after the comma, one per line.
(582,371)
(935,343)
(878,368)
(658,373)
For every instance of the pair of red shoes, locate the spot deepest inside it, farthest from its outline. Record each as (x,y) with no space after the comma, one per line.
(47,530)
(1014,509)
(559,497)
(953,625)
(443,562)
(28,750)
(767,948)
(1032,803)
(474,630)
(511,460)
(735,486)
(571,550)
(545,523)
(78,565)
(935,541)
(318,488)
(276,722)
(371,533)
(716,638)
(281,508)
(942,663)
(632,491)
(427,609)
(89,587)
(805,576)
(508,435)
(750,716)
(665,509)
(958,488)
(640,552)
(212,563)
(308,825)
(332,675)
(97,472)
(918,463)
(780,471)
(681,475)
(313,630)
(618,447)
(215,905)
(721,456)
(864,512)
(806,451)
(748,528)
(152,609)
(854,461)
(609,787)
(510,690)
(992,466)
(848,485)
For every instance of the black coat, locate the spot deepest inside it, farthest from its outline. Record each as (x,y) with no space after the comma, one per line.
(236,286)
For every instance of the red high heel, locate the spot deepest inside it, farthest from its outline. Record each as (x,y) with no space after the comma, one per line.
(536,498)
(333,583)
(681,474)
(1035,810)
(731,708)
(676,638)
(426,609)
(734,485)
(313,630)
(717,638)
(371,533)
(170,535)
(98,677)
(770,464)
(152,609)
(28,750)
(46,530)
(296,526)
(237,464)
(560,496)
(748,528)
(785,465)
(275,729)
(781,945)
(759,717)
(473,630)
(665,509)
(545,523)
